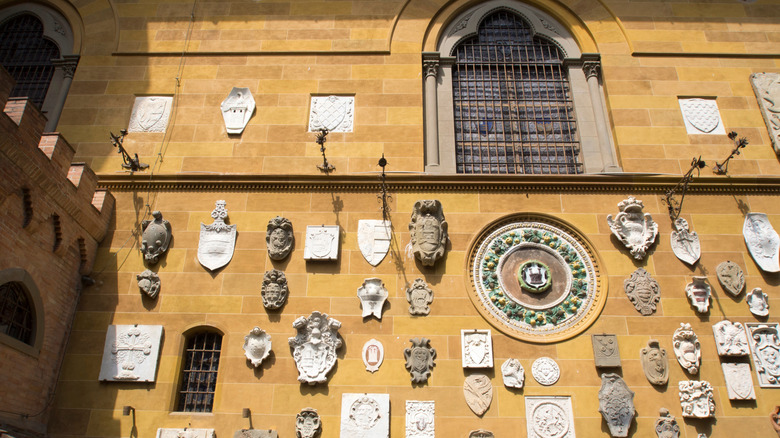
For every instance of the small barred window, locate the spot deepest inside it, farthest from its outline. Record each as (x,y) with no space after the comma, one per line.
(16,312)
(199,378)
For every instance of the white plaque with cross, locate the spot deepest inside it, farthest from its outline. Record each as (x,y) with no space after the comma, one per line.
(131,353)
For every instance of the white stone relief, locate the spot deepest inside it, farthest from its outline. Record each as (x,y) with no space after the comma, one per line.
(237,109)
(478,392)
(731,277)
(545,371)
(701,116)
(372,295)
(334,113)
(739,382)
(420,419)
(419,296)
(634,228)
(374,240)
(476,348)
(767,89)
(643,291)
(758,302)
(257,346)
(322,242)
(762,241)
(549,417)
(698,292)
(685,244)
(513,373)
(365,415)
(150,114)
(130,353)
(373,355)
(185,433)
(314,347)
(149,283)
(217,240)
(687,348)
(696,398)
(307,423)
(730,339)
(765,343)
(666,425)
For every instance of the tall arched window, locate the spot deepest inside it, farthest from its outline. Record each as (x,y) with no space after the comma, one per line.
(199,376)
(17,315)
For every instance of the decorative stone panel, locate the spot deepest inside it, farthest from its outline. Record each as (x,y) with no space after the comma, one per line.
(130,353)
(476,348)
(605,350)
(322,242)
(549,417)
(420,419)
(333,113)
(185,433)
(767,89)
(765,344)
(696,399)
(739,382)
(762,241)
(730,338)
(545,371)
(633,228)
(150,114)
(701,116)
(365,415)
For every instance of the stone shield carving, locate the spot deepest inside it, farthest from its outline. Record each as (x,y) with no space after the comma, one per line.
(545,371)
(476,348)
(237,108)
(150,114)
(685,244)
(767,89)
(130,353)
(217,240)
(420,359)
(148,283)
(666,426)
(322,242)
(655,363)
(365,415)
(419,296)
(334,113)
(687,348)
(513,373)
(481,433)
(478,392)
(635,229)
(549,417)
(307,423)
(374,239)
(739,382)
(373,355)
(428,231)
(314,347)
(420,419)
(643,291)
(279,238)
(372,295)
(156,237)
(698,292)
(765,343)
(185,433)
(730,339)
(257,346)
(605,350)
(696,399)
(758,302)
(762,241)
(701,116)
(731,277)
(616,404)
(274,289)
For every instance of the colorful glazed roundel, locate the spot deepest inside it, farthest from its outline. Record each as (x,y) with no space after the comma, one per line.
(536,278)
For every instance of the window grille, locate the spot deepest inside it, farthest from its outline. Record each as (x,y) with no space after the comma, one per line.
(513,109)
(199,378)
(27,56)
(16,312)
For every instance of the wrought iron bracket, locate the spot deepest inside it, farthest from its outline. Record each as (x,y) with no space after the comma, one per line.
(384,196)
(675,206)
(128,162)
(723,168)
(321,139)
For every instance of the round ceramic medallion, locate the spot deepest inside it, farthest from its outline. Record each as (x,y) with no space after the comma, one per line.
(545,371)
(536,278)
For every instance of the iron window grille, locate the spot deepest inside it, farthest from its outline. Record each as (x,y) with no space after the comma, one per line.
(16,313)
(199,378)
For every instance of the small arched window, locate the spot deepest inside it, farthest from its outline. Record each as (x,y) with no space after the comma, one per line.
(17,316)
(199,376)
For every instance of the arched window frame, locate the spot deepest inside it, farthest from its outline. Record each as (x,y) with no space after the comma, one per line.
(597,150)
(187,336)
(21,276)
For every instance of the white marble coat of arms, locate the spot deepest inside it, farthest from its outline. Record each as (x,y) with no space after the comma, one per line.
(420,420)
(217,240)
(513,373)
(476,348)
(185,433)
(696,398)
(130,353)
(730,338)
(365,415)
(373,355)
(334,113)
(322,242)
(314,346)
(374,239)
(758,302)
(687,348)
(478,392)
(698,292)
(685,244)
(634,228)
(701,116)
(767,89)
(739,382)
(765,343)
(257,346)
(731,277)
(549,416)
(150,114)
(237,109)
(372,295)
(762,241)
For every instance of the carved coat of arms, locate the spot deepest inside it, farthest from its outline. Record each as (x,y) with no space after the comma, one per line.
(635,229)
(687,348)
(428,231)
(758,302)
(702,114)
(374,240)
(478,392)
(739,382)
(217,240)
(237,108)
(334,113)
(419,296)
(372,295)
(477,348)
(150,114)
(314,347)
(767,89)
(698,292)
(696,398)
(616,404)
(307,423)
(420,419)
(643,291)
(730,338)
(731,277)
(666,426)
(156,237)
(274,290)
(130,353)
(685,244)
(513,373)
(149,283)
(762,241)
(655,363)
(373,355)
(420,359)
(322,243)
(279,238)
(257,346)
(765,343)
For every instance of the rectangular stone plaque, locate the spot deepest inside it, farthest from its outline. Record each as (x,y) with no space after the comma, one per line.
(549,417)
(131,353)
(420,419)
(767,89)
(186,432)
(605,350)
(365,415)
(322,242)
(764,339)
(334,113)
(476,348)
(739,382)
(150,114)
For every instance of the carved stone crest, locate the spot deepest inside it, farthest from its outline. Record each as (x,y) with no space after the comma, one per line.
(549,417)
(478,392)
(605,350)
(314,347)
(420,419)
(130,353)
(374,239)
(365,415)
(513,373)
(419,296)
(237,108)
(185,433)
(730,338)
(373,355)
(635,229)
(765,343)
(654,363)
(149,283)
(666,426)
(739,382)
(696,399)
(274,289)
(731,277)
(643,291)
(150,114)
(687,348)
(685,244)
(545,371)
(322,242)
(762,241)
(334,113)
(257,346)
(481,433)
(766,86)
(701,116)
(758,302)
(307,423)
(698,292)
(279,238)
(372,295)
(428,231)
(476,348)
(156,237)
(217,240)
(420,359)
(616,404)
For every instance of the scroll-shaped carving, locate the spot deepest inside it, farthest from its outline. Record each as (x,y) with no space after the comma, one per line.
(696,399)
(478,393)
(307,423)
(237,109)
(739,383)
(635,229)
(545,371)
(314,347)
(655,363)
(419,296)
(698,292)
(605,350)
(730,338)
(185,433)
(257,346)
(274,289)
(765,343)
(130,353)
(476,348)
(372,295)
(513,373)
(149,283)
(373,355)
(420,420)
(666,426)
(365,415)
(687,348)
(217,240)
(420,359)
(616,404)
(685,244)
(279,238)
(643,291)
(428,231)
(758,302)
(766,86)
(731,277)
(156,237)
(762,241)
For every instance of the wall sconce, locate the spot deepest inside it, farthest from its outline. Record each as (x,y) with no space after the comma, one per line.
(128,162)
(127,409)
(321,139)
(675,206)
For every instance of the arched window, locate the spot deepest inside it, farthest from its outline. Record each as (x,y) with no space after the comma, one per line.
(17,314)
(199,376)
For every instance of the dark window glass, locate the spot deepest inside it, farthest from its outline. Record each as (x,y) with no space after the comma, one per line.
(512,103)
(16,312)
(199,378)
